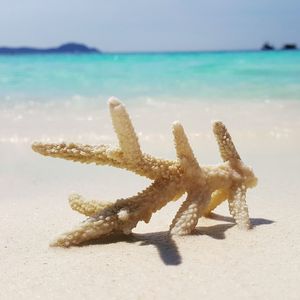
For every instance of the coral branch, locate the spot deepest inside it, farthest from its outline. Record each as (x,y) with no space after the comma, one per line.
(120,216)
(149,166)
(217,198)
(190,211)
(238,207)
(183,149)
(128,139)
(226,146)
(100,155)
(89,230)
(87,207)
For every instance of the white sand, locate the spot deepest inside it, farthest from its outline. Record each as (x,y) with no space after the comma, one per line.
(219,261)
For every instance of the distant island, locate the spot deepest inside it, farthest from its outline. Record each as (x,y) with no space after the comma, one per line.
(289,47)
(268,47)
(69,48)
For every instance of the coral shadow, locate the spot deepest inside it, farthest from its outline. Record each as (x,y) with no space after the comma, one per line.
(254,221)
(166,246)
(216,231)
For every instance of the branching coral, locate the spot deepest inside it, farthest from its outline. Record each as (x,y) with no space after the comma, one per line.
(206,186)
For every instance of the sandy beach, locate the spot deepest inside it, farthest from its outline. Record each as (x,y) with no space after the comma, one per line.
(217,262)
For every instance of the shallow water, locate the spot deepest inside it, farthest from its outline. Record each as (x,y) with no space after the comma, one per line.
(63,97)
(212,76)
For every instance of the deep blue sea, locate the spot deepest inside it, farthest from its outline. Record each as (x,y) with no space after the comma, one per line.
(213,76)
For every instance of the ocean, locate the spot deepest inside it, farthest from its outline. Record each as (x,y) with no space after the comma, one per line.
(64,97)
(208,76)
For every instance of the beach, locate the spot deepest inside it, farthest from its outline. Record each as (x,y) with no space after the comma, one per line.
(149,150)
(217,261)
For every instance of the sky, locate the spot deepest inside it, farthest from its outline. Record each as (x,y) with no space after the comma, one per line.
(150,25)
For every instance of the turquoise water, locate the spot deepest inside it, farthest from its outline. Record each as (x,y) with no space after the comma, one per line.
(212,76)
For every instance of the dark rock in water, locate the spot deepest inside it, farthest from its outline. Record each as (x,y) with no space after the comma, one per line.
(69,48)
(267,47)
(289,47)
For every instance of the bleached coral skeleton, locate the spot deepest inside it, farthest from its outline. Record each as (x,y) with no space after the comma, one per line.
(206,186)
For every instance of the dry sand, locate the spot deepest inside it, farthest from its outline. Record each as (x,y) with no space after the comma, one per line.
(217,262)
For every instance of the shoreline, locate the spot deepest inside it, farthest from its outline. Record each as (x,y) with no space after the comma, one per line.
(218,259)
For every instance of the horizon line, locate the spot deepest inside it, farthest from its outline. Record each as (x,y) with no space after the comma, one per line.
(159,52)
(100,51)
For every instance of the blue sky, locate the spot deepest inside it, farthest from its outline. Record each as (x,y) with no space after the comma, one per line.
(150,25)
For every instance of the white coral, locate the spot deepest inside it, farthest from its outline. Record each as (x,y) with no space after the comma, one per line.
(206,186)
